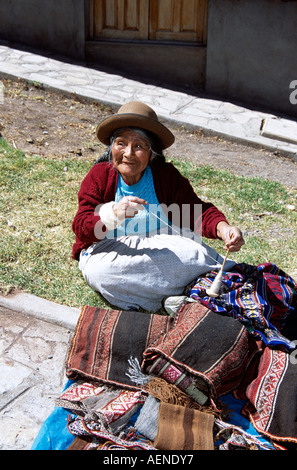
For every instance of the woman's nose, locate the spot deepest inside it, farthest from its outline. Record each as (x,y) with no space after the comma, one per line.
(128,150)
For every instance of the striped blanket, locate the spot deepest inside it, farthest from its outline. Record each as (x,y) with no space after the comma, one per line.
(261,297)
(205,354)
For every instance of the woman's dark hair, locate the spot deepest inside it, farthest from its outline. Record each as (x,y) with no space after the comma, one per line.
(152,140)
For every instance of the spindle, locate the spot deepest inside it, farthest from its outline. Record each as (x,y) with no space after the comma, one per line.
(214,290)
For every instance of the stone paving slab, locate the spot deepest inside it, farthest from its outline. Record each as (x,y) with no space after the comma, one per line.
(32,371)
(276,129)
(217,117)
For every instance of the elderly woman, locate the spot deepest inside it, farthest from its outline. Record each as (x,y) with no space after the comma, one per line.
(139,221)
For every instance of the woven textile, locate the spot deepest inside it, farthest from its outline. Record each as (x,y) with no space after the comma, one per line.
(202,350)
(93,436)
(208,350)
(109,407)
(234,438)
(272,397)
(147,421)
(198,350)
(261,297)
(182,428)
(105,340)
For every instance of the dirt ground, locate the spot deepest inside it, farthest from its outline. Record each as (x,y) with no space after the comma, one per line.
(48,123)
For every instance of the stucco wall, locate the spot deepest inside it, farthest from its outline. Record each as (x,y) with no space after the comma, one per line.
(57,26)
(252,52)
(181,67)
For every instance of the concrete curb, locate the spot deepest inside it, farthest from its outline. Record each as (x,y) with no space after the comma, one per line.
(42,309)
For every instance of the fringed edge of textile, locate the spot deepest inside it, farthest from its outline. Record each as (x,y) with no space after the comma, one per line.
(169,393)
(209,396)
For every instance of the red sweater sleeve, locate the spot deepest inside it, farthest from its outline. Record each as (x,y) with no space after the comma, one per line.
(98,187)
(171,187)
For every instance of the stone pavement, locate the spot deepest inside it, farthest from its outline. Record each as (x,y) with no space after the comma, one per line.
(35,336)
(213,116)
(35,333)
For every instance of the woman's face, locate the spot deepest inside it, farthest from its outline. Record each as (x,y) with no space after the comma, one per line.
(130,155)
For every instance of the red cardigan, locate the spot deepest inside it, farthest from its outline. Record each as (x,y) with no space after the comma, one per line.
(99,187)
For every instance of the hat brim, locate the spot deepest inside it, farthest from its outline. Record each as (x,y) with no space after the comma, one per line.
(106,128)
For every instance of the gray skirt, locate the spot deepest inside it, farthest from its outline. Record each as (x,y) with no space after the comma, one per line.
(131,272)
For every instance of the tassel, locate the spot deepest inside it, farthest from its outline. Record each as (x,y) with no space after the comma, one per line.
(135,374)
(165,392)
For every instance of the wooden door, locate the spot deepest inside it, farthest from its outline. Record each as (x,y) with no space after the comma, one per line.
(121,19)
(150,20)
(178,20)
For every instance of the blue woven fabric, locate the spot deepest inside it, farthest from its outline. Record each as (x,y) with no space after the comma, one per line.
(261,297)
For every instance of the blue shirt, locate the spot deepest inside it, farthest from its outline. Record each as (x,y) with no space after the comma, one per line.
(146,222)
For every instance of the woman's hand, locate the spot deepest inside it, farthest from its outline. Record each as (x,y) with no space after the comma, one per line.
(128,207)
(231,235)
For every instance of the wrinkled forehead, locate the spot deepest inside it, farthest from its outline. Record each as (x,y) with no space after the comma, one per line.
(132,134)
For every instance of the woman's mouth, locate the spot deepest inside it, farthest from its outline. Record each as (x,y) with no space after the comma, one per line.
(128,163)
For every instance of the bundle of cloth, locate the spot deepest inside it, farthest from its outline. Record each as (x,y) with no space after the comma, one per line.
(209,374)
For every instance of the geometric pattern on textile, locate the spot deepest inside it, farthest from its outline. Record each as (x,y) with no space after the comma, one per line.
(211,350)
(121,405)
(82,427)
(171,374)
(260,297)
(267,394)
(82,391)
(112,407)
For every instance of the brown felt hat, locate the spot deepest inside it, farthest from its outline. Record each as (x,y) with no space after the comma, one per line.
(135,114)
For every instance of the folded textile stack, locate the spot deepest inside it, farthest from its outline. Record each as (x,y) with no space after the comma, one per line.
(201,377)
(111,418)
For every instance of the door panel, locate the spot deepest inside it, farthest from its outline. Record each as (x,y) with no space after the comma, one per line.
(121,19)
(178,20)
(155,20)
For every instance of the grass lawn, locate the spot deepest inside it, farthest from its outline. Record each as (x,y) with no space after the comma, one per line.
(39,200)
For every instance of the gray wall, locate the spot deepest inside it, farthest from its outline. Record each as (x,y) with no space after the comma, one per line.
(178,66)
(57,26)
(252,52)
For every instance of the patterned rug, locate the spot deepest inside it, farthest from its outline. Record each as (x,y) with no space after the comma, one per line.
(205,354)
(261,297)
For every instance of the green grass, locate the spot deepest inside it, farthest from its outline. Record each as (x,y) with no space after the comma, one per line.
(39,200)
(259,207)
